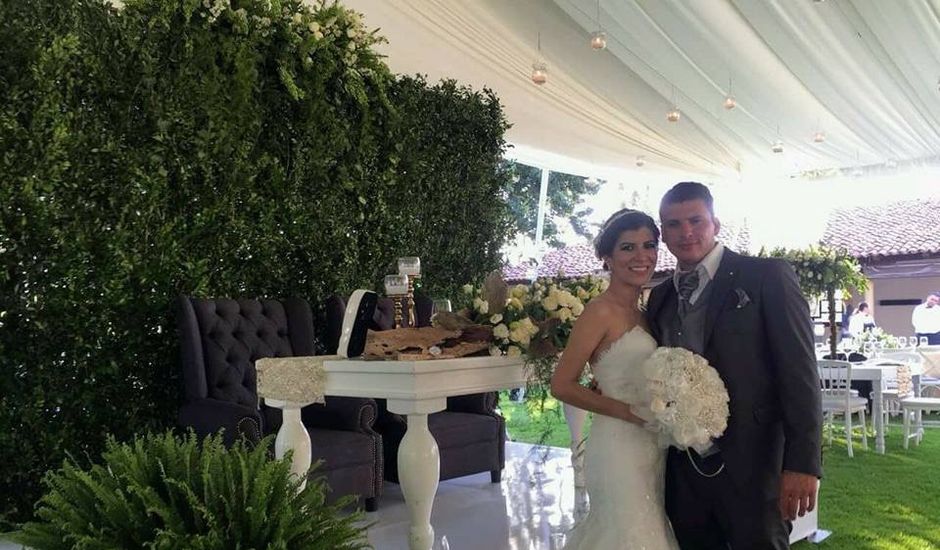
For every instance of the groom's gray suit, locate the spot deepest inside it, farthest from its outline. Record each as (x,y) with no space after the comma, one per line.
(755,330)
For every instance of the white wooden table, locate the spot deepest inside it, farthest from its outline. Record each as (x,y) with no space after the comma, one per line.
(878,375)
(416,389)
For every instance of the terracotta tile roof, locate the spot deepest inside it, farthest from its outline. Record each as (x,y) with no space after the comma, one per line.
(579,260)
(904,228)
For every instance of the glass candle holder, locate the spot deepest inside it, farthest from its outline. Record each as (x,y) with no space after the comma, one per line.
(409,265)
(396,285)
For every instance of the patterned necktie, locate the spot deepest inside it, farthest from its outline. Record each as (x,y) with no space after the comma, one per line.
(688,282)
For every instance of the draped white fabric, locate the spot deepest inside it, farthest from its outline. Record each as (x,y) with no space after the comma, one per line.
(865,72)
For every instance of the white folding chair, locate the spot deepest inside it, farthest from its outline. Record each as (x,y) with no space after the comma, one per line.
(912,408)
(835,378)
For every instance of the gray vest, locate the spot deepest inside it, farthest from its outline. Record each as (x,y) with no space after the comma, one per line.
(688,331)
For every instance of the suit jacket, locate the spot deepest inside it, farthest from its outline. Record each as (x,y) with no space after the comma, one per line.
(758,336)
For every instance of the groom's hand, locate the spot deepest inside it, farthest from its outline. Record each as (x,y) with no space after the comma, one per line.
(797,494)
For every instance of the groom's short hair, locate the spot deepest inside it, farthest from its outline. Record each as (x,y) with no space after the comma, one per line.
(688,191)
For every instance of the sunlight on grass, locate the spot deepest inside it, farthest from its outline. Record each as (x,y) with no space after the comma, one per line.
(870,502)
(537,422)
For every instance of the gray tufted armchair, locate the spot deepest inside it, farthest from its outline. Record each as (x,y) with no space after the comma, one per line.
(220,341)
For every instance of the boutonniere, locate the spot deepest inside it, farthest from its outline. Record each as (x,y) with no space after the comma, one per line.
(743,298)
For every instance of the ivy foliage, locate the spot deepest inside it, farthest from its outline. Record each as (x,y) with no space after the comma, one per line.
(243,148)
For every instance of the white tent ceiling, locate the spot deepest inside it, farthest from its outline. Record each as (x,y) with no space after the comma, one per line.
(865,72)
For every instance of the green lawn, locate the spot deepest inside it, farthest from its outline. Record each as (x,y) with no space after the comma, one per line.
(871,501)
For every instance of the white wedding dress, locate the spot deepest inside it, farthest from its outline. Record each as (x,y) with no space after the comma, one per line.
(624,466)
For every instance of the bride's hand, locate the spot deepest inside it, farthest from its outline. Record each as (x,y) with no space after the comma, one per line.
(628,416)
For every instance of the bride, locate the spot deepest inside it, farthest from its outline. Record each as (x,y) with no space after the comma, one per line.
(624,466)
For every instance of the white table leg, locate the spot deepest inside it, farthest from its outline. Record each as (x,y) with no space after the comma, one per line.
(293,436)
(419,467)
(878,417)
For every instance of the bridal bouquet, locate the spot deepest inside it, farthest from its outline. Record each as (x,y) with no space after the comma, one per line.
(688,401)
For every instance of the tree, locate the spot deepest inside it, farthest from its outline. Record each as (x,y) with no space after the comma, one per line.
(565,192)
(822,271)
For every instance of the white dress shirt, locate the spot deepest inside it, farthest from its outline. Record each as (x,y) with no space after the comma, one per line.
(926,320)
(707,269)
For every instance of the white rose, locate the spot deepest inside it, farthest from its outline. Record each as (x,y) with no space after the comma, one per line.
(521,336)
(468,289)
(481,305)
(298,19)
(519,291)
(313,26)
(657,405)
(564,314)
(577,309)
(513,351)
(496,318)
(566,298)
(550,302)
(501,331)
(494,351)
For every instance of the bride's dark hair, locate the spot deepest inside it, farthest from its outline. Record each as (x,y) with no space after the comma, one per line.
(626,219)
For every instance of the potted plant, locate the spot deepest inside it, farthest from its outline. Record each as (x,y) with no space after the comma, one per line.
(165,491)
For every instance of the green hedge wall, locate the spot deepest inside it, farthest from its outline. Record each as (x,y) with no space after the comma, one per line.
(258,148)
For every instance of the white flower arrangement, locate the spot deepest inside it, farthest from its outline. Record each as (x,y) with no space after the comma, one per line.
(876,337)
(532,321)
(688,401)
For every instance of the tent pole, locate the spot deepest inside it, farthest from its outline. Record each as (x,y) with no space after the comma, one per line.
(540,220)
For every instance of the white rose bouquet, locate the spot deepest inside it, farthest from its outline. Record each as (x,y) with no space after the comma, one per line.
(688,402)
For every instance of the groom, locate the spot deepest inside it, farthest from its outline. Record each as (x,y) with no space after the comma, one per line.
(747,317)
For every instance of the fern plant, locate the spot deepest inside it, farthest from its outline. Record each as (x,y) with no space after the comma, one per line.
(169,492)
